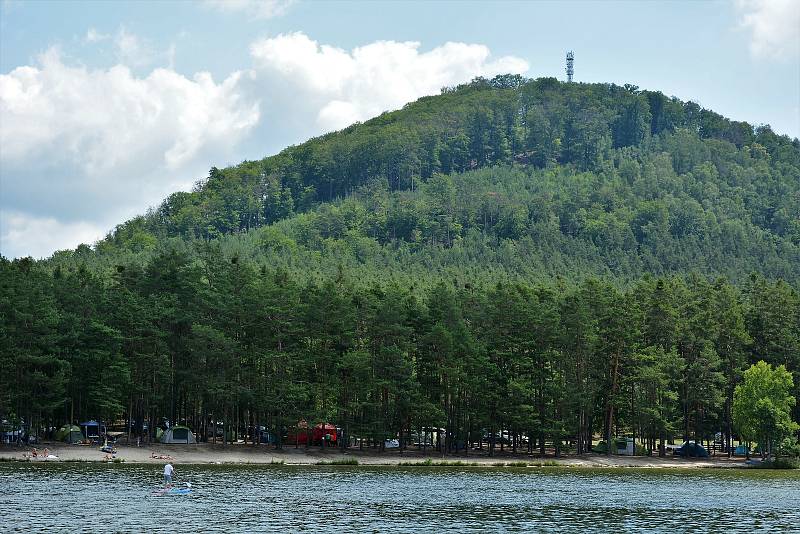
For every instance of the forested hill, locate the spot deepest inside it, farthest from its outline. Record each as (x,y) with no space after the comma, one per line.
(545,258)
(523,177)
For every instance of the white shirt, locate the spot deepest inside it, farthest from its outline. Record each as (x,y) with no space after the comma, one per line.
(168,469)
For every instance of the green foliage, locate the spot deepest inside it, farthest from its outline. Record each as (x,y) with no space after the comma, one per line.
(344,461)
(779,463)
(762,405)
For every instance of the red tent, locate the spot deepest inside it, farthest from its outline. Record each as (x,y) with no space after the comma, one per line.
(299,434)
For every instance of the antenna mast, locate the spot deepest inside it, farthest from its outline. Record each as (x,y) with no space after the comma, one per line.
(570,70)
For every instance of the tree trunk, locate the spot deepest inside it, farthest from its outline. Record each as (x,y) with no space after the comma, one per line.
(610,401)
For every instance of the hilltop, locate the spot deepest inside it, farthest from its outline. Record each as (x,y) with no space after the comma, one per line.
(509,176)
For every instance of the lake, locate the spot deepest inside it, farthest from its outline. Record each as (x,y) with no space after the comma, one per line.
(118,497)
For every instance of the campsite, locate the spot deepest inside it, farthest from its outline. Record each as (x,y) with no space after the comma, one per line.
(325,443)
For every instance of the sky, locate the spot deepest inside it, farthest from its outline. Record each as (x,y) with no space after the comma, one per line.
(108,107)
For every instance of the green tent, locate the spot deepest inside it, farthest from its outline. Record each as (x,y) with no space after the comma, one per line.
(178,434)
(69,434)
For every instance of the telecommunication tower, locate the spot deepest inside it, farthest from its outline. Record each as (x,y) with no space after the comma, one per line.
(570,61)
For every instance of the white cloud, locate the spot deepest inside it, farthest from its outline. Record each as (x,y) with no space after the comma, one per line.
(94,36)
(259,9)
(774,27)
(39,237)
(344,87)
(102,119)
(84,149)
(91,146)
(132,50)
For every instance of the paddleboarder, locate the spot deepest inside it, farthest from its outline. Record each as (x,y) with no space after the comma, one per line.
(168,472)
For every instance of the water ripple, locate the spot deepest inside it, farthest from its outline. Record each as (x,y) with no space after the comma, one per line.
(119,498)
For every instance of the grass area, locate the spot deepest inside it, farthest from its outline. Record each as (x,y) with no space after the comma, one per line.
(546,463)
(438,463)
(345,461)
(456,463)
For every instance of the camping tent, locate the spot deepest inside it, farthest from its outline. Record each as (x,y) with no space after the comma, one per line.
(299,433)
(69,434)
(178,434)
(92,429)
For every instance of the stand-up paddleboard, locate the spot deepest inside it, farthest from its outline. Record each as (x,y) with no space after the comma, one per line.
(173,491)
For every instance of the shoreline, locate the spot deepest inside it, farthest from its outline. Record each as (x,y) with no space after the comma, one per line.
(239,454)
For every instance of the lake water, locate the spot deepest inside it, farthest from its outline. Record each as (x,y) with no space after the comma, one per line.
(119,498)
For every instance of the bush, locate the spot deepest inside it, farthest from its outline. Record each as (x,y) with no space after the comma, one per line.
(789,448)
(345,461)
(779,463)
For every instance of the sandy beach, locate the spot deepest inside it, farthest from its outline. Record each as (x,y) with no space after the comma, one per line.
(265,454)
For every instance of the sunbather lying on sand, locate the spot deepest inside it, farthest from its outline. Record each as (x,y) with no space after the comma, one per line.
(35,454)
(161,456)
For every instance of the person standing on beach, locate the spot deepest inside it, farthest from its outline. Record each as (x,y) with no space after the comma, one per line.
(168,472)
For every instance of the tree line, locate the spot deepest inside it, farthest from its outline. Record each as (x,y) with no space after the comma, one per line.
(214,337)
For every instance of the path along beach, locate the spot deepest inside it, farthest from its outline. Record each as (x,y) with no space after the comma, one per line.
(207,453)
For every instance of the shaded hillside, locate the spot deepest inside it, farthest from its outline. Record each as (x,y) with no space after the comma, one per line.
(523,178)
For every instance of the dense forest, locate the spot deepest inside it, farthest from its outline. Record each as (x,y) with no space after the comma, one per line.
(563,261)
(224,340)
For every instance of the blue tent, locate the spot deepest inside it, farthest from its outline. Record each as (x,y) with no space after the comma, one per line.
(741,450)
(92,429)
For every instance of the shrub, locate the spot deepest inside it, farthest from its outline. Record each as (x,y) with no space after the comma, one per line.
(343,461)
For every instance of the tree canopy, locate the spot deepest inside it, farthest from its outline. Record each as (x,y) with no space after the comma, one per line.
(762,405)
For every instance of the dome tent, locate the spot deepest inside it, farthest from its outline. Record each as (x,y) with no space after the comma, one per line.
(69,434)
(178,434)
